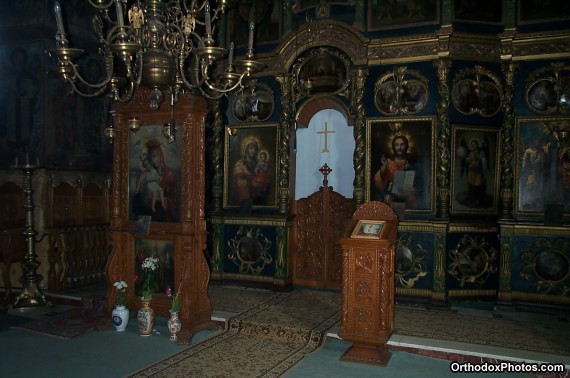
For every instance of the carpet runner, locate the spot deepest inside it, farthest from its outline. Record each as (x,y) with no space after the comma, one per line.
(263,341)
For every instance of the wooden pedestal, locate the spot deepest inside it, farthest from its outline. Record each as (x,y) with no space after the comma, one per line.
(368,290)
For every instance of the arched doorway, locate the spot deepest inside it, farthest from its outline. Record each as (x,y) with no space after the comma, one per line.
(323,136)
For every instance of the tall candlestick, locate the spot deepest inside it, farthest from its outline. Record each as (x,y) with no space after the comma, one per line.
(208,21)
(58,18)
(251,27)
(120,19)
(231,54)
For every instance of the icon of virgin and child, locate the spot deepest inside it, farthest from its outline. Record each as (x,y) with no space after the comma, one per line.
(251,175)
(156,186)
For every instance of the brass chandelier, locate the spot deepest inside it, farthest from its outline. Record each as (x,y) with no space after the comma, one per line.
(164,45)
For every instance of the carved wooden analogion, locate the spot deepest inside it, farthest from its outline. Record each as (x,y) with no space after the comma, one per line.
(368,288)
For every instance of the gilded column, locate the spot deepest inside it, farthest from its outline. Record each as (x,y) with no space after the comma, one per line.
(283,200)
(218,177)
(507,141)
(357,103)
(443,159)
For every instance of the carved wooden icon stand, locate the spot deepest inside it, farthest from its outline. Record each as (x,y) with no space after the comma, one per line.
(187,234)
(368,286)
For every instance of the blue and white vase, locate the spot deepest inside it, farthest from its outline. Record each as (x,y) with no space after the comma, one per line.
(120,318)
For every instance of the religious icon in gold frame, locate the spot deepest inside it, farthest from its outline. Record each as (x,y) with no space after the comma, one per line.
(251,167)
(368,229)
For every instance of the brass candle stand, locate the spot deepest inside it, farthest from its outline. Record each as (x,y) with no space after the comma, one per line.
(31,296)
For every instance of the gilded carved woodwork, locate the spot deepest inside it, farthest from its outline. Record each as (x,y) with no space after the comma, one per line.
(284,124)
(547,89)
(443,139)
(410,264)
(359,76)
(472,261)
(477,90)
(439,264)
(401,91)
(505,272)
(507,140)
(546,265)
(319,33)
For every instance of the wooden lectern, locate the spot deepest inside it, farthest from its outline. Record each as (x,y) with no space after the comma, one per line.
(368,284)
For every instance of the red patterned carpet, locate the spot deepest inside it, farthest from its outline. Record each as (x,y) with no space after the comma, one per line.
(266,340)
(64,325)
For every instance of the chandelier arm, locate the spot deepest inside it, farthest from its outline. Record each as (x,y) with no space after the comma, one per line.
(101,85)
(139,68)
(129,94)
(225,89)
(196,76)
(215,16)
(209,96)
(76,89)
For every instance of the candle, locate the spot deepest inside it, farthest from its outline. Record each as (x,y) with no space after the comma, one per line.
(231,54)
(208,21)
(120,19)
(27,159)
(16,161)
(58,18)
(251,27)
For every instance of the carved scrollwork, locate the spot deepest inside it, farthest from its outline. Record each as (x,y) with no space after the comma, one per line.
(401,91)
(477,91)
(547,89)
(323,70)
(410,264)
(249,250)
(547,265)
(473,260)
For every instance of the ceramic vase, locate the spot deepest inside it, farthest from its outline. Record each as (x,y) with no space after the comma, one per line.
(145,318)
(120,318)
(174,325)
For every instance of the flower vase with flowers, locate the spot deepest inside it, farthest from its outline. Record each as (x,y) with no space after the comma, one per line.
(145,315)
(174,324)
(120,313)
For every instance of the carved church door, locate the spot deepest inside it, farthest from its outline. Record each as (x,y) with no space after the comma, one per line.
(323,163)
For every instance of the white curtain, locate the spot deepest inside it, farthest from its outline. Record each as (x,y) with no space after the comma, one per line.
(310,155)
